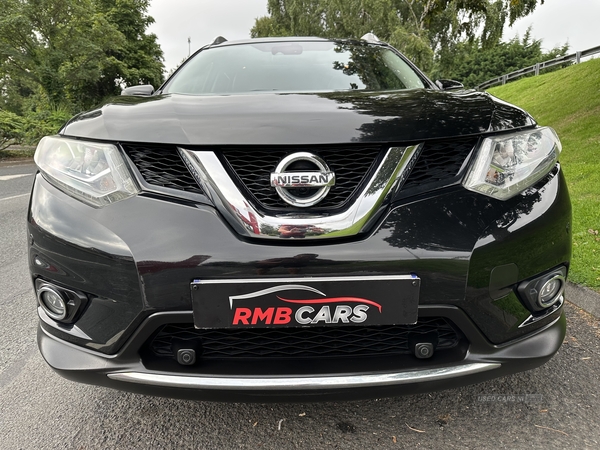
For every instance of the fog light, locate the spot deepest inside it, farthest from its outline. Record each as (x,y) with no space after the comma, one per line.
(53,303)
(551,291)
(544,291)
(60,303)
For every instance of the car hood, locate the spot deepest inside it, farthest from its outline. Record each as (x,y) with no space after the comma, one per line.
(298,119)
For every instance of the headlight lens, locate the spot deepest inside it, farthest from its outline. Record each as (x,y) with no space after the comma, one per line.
(506,165)
(93,173)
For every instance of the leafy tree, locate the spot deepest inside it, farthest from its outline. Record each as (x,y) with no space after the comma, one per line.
(60,45)
(58,57)
(419,28)
(77,51)
(139,60)
(13,91)
(11,129)
(42,119)
(474,64)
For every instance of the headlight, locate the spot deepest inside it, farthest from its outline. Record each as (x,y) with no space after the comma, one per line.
(506,165)
(93,173)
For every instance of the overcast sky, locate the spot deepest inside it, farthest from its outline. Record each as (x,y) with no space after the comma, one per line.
(555,22)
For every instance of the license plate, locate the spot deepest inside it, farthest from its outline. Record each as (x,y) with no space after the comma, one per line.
(306,302)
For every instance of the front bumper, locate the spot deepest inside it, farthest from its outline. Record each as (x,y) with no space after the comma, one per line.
(125,371)
(135,261)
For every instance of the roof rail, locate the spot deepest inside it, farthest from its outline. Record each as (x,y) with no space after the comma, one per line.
(370,37)
(218,40)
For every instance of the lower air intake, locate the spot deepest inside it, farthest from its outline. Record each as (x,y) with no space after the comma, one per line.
(349,341)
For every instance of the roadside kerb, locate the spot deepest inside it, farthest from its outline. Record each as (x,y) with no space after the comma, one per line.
(584,298)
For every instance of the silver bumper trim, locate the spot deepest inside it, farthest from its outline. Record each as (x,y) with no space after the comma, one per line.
(301,383)
(533,319)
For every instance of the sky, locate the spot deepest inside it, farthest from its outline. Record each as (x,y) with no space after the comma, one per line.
(202,21)
(555,22)
(559,21)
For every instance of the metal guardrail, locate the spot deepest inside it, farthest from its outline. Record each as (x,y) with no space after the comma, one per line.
(503,79)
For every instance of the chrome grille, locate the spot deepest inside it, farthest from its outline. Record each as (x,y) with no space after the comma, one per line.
(253,167)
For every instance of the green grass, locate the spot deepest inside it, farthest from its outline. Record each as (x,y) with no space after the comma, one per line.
(569,101)
(17,152)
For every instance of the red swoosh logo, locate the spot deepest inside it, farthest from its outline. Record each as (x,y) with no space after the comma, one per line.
(333,300)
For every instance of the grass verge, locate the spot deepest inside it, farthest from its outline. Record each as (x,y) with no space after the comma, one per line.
(17,152)
(569,101)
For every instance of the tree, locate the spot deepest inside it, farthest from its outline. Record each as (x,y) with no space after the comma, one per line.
(60,45)
(140,59)
(11,129)
(336,18)
(474,64)
(419,28)
(77,51)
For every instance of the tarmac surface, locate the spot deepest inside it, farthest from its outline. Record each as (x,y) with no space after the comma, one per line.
(554,406)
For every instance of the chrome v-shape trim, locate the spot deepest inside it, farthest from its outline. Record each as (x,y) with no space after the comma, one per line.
(208,171)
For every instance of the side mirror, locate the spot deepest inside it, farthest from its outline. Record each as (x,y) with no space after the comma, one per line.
(144,90)
(449,85)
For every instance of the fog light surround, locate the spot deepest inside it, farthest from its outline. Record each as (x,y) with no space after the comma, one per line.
(52,303)
(58,303)
(544,291)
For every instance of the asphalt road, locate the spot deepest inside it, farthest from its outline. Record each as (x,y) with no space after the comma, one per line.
(40,410)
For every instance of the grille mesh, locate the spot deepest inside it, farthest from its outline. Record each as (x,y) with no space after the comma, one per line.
(162,166)
(303,342)
(254,167)
(439,163)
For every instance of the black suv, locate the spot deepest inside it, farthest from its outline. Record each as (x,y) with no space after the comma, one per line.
(299,218)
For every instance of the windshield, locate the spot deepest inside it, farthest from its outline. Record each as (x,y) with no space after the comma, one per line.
(294,67)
